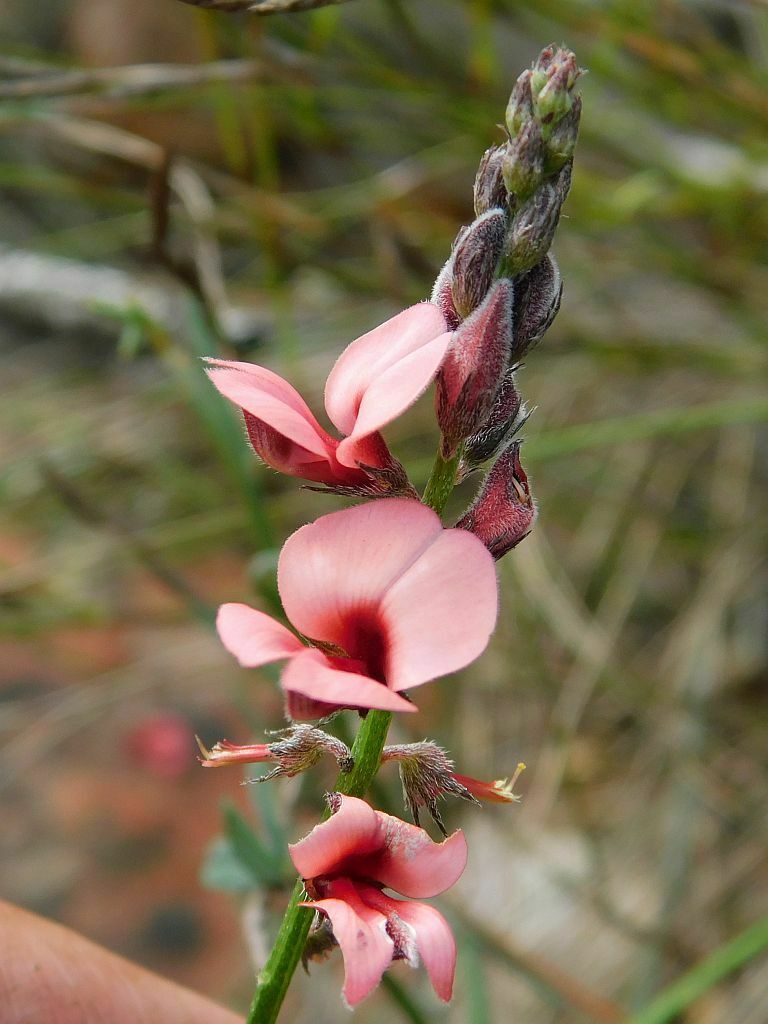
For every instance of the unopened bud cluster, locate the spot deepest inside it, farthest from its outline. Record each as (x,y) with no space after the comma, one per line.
(500,292)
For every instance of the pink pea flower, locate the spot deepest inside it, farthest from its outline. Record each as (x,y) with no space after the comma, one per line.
(374,381)
(347,861)
(387,599)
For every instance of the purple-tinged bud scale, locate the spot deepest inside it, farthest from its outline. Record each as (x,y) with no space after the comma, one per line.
(442,296)
(506,417)
(520,107)
(537,302)
(534,224)
(523,162)
(503,513)
(490,190)
(473,368)
(475,259)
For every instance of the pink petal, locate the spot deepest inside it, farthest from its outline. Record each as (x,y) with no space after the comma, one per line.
(440,613)
(390,394)
(435,944)
(225,752)
(345,561)
(420,933)
(354,829)
(313,675)
(302,709)
(272,400)
(362,936)
(277,451)
(411,863)
(365,364)
(253,637)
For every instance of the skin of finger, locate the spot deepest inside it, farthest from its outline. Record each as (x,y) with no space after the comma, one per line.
(49,973)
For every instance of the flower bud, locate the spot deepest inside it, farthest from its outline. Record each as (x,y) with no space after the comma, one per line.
(474,261)
(490,190)
(520,106)
(537,302)
(560,143)
(474,365)
(442,296)
(504,420)
(533,227)
(300,749)
(503,513)
(555,98)
(540,71)
(523,162)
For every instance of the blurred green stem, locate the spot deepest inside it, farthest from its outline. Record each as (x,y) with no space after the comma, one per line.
(675,999)
(275,977)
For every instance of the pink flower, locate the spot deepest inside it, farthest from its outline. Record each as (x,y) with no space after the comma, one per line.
(161,743)
(374,381)
(347,861)
(388,600)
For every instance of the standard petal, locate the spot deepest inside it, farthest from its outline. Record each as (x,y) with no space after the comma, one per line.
(313,675)
(366,360)
(435,944)
(394,390)
(439,615)
(362,936)
(344,562)
(354,829)
(253,637)
(411,863)
(269,398)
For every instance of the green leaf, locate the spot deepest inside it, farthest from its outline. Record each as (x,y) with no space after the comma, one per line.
(700,979)
(223,869)
(263,800)
(266,865)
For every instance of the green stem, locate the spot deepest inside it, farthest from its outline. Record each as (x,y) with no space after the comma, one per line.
(441,482)
(275,977)
(682,993)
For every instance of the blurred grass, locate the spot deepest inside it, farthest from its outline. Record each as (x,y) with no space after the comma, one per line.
(318,167)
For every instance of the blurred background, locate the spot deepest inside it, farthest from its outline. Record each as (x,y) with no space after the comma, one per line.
(177,182)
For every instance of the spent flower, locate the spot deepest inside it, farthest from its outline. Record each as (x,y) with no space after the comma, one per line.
(300,747)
